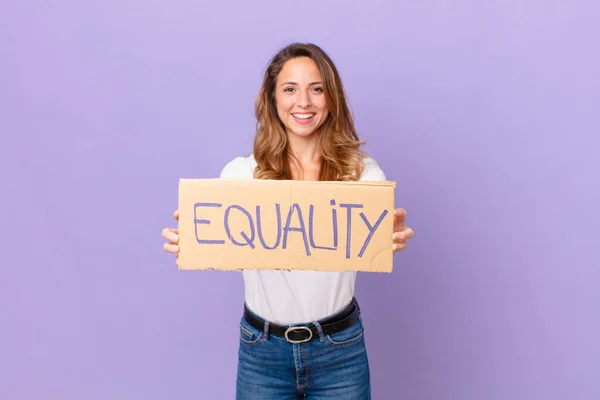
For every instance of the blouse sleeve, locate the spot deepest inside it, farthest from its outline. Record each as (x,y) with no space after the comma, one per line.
(238,168)
(372,171)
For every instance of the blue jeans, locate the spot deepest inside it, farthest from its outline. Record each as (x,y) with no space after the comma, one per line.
(327,367)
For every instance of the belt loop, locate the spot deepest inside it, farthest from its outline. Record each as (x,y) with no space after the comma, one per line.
(320,330)
(266,330)
(356,304)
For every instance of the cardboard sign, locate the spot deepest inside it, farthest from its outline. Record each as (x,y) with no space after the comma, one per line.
(292,225)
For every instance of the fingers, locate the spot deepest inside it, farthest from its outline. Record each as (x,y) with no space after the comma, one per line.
(176,215)
(399,239)
(172,235)
(399,246)
(399,218)
(405,234)
(171,248)
(400,213)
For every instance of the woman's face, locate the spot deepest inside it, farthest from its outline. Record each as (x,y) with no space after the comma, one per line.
(299,97)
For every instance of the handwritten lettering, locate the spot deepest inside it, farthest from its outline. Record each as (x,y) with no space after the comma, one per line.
(259,227)
(253,226)
(204,221)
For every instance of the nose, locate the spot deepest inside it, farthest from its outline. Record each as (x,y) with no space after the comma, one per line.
(303,99)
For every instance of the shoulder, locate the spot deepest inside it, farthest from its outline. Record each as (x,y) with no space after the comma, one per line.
(372,171)
(239,168)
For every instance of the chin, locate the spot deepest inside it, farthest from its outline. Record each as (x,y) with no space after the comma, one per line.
(303,132)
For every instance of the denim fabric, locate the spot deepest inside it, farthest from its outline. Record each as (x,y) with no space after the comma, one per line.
(328,367)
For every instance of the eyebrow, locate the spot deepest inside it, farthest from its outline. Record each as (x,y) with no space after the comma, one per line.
(294,83)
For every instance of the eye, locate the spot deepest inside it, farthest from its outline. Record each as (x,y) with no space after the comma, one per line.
(288,89)
(318,89)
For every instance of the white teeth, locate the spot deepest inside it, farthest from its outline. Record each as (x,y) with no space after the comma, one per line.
(303,116)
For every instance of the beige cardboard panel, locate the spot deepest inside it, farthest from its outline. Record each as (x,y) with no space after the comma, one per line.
(310,232)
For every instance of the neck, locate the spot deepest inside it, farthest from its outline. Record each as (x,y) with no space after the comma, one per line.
(304,149)
(305,157)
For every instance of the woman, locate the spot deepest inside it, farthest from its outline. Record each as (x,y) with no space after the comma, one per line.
(305,132)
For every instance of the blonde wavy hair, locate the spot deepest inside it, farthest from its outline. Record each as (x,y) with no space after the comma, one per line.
(339,145)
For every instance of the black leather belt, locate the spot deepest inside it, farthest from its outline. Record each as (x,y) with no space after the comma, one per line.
(306,332)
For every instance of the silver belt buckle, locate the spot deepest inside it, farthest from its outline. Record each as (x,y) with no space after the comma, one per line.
(293,328)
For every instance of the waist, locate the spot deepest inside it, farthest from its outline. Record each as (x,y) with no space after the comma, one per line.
(301,333)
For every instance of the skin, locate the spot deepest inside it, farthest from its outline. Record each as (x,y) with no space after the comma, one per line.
(299,89)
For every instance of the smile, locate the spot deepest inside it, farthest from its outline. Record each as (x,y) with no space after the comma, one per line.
(303,118)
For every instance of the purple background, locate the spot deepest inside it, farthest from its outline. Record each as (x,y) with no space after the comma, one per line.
(485,113)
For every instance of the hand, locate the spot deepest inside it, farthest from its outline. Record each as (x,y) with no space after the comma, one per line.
(401,232)
(172,237)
